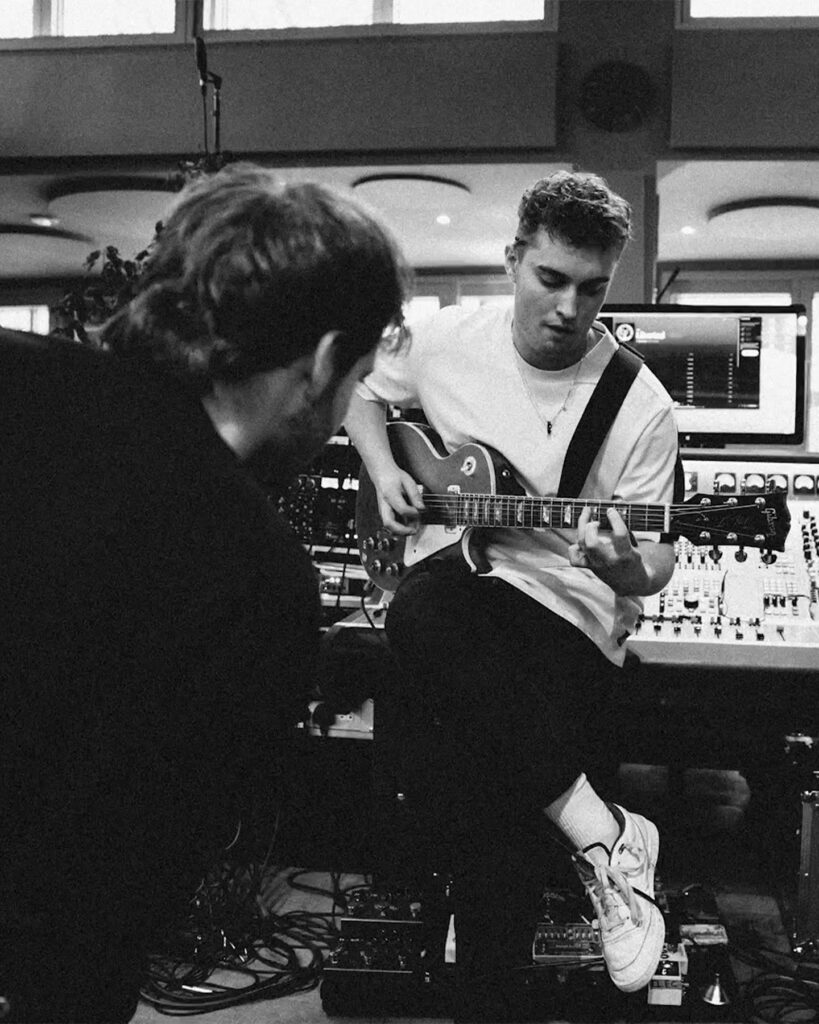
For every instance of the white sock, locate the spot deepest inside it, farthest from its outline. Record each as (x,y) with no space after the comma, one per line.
(583,817)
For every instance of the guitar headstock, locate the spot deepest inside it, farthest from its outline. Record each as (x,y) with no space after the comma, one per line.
(734,520)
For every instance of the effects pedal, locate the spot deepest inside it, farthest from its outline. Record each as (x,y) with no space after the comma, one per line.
(574,942)
(389,956)
(667,987)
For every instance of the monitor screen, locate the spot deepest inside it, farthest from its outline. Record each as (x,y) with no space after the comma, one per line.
(736,373)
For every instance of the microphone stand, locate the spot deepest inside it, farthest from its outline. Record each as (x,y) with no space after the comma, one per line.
(207,163)
(216,82)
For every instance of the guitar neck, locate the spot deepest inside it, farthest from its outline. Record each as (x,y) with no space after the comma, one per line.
(523,512)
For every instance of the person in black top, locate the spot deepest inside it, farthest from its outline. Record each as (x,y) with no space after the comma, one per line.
(158,620)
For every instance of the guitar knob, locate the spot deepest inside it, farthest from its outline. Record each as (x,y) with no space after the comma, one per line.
(741,555)
(368,543)
(386,543)
(715,554)
(705,536)
(768,557)
(392,570)
(377,565)
(731,538)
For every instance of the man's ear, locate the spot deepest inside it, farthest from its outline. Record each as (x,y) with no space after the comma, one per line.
(510,261)
(326,360)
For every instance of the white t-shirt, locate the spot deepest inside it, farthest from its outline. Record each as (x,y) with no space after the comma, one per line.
(462,369)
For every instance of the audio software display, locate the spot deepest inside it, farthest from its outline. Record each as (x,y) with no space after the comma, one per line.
(736,374)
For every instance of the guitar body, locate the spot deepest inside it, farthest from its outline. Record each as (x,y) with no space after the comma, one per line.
(472,469)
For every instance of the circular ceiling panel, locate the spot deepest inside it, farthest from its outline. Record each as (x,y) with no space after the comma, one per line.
(419,193)
(772,217)
(113,211)
(38,253)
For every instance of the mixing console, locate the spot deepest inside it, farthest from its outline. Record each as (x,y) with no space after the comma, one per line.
(739,611)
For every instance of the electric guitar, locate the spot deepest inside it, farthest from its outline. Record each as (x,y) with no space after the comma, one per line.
(474,488)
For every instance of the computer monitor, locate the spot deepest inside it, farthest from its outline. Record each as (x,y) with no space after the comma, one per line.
(736,373)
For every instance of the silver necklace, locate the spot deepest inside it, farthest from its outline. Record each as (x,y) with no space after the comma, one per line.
(547,421)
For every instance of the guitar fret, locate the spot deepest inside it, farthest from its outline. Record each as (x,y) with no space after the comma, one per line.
(526,512)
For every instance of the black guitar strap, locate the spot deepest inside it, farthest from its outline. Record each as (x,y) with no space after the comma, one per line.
(596,421)
(597,418)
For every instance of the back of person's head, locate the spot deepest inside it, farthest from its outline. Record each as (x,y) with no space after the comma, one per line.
(577,208)
(248,274)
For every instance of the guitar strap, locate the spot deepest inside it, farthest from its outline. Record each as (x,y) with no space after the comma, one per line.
(596,421)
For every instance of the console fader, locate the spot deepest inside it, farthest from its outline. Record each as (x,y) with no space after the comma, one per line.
(744,613)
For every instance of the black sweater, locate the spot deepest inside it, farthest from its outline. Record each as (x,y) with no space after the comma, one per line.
(158,624)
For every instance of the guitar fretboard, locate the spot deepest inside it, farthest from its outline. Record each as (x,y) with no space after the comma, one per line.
(501,510)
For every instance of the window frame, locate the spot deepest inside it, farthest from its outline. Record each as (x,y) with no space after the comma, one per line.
(685,21)
(184,31)
(548,23)
(188,24)
(451,285)
(32,308)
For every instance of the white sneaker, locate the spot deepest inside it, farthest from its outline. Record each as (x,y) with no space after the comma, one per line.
(632,929)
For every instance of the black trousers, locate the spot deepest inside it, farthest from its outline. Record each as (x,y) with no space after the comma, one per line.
(514,699)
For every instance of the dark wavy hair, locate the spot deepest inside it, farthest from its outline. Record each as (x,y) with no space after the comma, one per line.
(578,208)
(248,274)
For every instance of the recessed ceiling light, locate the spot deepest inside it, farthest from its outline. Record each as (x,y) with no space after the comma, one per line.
(688,230)
(443,218)
(43,220)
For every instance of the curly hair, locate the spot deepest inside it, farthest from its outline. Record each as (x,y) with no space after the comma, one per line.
(578,208)
(248,274)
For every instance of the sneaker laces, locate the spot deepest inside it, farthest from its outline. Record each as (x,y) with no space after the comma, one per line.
(611,887)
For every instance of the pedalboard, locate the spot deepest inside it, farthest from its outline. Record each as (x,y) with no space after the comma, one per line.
(395,956)
(389,956)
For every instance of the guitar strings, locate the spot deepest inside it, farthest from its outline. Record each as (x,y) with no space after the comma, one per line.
(489,509)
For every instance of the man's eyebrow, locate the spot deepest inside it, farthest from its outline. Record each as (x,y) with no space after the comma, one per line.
(544,268)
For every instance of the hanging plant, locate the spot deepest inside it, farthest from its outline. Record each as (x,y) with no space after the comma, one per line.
(108,283)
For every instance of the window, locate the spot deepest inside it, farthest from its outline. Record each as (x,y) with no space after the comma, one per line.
(65,19)
(420,307)
(25,318)
(747,13)
(471,302)
(471,290)
(732,298)
(233,15)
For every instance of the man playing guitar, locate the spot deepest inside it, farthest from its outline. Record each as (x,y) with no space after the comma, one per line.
(519,660)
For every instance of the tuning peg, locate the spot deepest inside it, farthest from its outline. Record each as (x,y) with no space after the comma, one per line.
(715,554)
(740,554)
(768,557)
